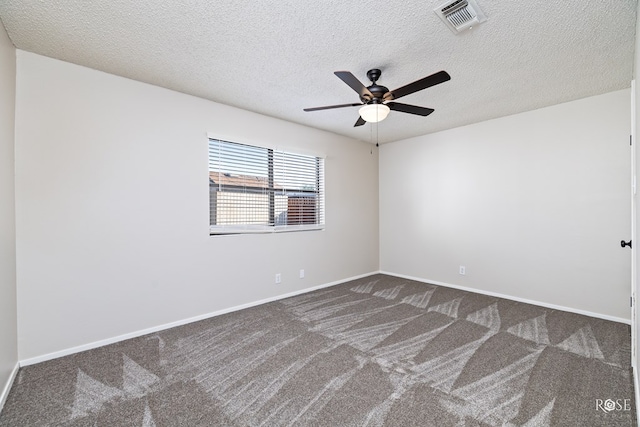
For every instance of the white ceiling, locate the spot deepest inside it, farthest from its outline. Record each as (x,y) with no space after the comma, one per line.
(278,57)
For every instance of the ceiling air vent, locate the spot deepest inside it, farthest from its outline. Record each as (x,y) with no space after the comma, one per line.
(460,15)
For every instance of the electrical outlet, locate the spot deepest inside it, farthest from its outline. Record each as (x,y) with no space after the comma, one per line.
(463,270)
(302,273)
(278,278)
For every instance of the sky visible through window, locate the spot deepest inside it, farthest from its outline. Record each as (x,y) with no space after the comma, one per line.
(238,159)
(290,171)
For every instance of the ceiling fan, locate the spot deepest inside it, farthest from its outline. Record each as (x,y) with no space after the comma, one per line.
(377,101)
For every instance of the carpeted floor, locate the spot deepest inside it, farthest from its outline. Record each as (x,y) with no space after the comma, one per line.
(378,351)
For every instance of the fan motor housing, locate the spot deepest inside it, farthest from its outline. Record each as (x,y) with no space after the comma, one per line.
(376,90)
(378,93)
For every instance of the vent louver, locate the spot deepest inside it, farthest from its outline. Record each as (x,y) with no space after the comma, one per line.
(460,15)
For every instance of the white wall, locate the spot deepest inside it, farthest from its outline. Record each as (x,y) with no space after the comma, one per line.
(636,67)
(534,205)
(112,209)
(8,328)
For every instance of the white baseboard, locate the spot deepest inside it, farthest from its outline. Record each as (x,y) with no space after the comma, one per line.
(100,343)
(7,386)
(513,298)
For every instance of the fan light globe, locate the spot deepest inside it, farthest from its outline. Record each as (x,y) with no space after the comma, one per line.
(374,112)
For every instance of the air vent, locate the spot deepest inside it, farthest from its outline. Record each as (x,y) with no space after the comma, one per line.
(460,15)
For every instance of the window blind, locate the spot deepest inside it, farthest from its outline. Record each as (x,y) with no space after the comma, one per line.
(257,189)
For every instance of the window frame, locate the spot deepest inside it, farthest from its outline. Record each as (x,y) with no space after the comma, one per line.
(272,192)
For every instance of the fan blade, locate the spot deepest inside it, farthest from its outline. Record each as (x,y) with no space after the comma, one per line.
(411,109)
(432,80)
(359,122)
(331,106)
(354,84)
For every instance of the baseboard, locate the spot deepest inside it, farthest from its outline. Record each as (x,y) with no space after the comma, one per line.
(100,343)
(7,386)
(513,298)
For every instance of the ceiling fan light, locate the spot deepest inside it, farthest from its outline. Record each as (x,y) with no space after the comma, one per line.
(374,112)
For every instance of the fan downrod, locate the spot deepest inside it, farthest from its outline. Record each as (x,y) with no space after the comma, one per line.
(375,89)
(374,75)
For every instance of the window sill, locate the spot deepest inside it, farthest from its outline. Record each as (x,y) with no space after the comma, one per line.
(264,230)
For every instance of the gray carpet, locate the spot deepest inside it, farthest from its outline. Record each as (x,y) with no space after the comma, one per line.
(378,351)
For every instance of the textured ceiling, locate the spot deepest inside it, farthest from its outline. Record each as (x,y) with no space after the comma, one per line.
(278,57)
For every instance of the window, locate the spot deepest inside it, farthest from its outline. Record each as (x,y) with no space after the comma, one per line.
(256,189)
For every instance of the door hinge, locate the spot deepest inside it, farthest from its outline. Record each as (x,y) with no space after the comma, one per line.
(631,301)
(630,139)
